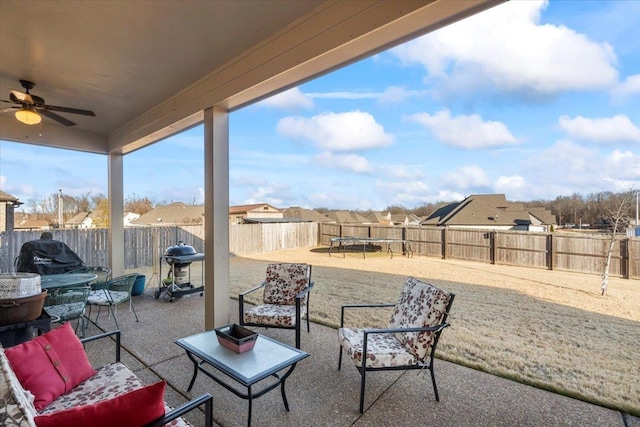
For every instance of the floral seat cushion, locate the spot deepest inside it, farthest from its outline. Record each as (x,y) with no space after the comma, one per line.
(104,297)
(383,350)
(275,315)
(420,305)
(108,382)
(66,311)
(285,281)
(16,406)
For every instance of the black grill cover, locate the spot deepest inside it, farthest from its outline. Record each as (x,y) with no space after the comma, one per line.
(46,256)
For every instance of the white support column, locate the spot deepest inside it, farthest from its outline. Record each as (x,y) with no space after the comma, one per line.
(116,220)
(216,217)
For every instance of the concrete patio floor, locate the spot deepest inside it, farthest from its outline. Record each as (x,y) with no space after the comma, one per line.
(320,395)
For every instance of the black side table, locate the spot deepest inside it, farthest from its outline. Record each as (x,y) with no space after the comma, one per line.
(18,333)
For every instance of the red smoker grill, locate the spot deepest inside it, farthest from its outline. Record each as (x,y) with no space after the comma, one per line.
(178,280)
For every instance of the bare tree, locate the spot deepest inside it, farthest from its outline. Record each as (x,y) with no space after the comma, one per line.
(618,219)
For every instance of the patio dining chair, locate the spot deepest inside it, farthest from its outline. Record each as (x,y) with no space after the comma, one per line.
(409,341)
(285,299)
(114,292)
(68,303)
(103,273)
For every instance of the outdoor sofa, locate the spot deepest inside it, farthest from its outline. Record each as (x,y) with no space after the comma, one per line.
(48,381)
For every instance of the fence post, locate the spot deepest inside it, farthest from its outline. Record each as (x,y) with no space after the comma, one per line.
(632,255)
(444,243)
(625,258)
(550,251)
(493,246)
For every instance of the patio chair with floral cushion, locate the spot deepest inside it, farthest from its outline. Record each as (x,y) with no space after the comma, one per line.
(103,274)
(66,304)
(410,340)
(115,291)
(285,299)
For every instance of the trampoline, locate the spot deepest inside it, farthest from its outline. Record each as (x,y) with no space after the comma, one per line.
(353,243)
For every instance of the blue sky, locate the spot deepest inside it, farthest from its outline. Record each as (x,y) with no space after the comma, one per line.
(531,99)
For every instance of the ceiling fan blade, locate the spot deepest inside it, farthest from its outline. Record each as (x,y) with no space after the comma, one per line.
(7,109)
(55,117)
(10,102)
(37,100)
(21,97)
(67,110)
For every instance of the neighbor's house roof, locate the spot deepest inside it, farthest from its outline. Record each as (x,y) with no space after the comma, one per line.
(272,220)
(78,219)
(379,217)
(6,197)
(254,208)
(173,214)
(347,217)
(21,221)
(305,214)
(485,210)
(543,215)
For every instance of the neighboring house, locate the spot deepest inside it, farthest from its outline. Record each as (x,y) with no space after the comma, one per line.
(347,217)
(129,217)
(305,214)
(389,219)
(89,220)
(24,222)
(173,214)
(182,214)
(237,214)
(8,203)
(379,218)
(81,220)
(491,212)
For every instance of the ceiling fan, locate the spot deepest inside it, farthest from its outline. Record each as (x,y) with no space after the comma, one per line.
(29,107)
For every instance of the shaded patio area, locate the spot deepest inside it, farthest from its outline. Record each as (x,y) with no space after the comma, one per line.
(320,395)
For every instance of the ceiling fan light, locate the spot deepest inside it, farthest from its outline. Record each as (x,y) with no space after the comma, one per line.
(28,117)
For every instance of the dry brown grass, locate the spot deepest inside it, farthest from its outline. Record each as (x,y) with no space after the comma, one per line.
(546,328)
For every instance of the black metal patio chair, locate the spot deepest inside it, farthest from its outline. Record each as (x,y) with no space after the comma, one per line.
(410,340)
(285,299)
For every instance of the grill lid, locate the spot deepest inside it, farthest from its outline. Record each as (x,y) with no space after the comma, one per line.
(180,249)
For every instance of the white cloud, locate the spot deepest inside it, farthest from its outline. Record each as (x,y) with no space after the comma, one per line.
(465,177)
(509,184)
(465,131)
(350,131)
(507,49)
(291,99)
(624,165)
(350,162)
(607,129)
(396,95)
(627,89)
(344,95)
(565,162)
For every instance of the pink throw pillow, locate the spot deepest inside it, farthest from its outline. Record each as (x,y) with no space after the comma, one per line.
(133,409)
(50,365)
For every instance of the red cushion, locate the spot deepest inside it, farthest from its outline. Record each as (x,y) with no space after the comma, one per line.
(50,365)
(133,409)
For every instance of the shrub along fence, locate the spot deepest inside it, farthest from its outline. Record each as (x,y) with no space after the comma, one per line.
(554,251)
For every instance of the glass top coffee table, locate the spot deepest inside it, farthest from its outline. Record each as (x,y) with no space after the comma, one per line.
(266,359)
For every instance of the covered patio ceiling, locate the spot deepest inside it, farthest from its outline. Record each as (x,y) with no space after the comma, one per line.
(148,69)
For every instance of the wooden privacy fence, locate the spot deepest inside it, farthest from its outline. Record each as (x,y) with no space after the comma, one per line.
(554,251)
(144,245)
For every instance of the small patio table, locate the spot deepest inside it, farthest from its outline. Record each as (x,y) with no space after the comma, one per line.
(266,359)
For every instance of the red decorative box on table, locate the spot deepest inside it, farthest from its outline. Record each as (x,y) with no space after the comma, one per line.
(236,338)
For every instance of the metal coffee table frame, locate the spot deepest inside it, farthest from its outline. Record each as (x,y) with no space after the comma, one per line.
(266,359)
